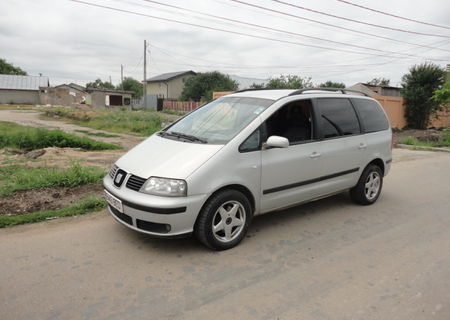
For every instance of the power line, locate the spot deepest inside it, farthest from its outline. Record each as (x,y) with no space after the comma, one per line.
(358,21)
(234,67)
(274,29)
(328,24)
(229,31)
(393,15)
(237,32)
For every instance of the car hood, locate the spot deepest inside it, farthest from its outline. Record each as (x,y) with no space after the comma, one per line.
(162,157)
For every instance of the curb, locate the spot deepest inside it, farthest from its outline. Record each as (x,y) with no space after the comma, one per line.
(422,148)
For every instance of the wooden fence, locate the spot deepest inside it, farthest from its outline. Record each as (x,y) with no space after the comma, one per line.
(181,105)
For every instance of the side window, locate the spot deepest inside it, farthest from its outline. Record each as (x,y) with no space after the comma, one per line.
(252,143)
(337,117)
(292,121)
(372,117)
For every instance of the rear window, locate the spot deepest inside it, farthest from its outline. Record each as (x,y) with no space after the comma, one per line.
(372,117)
(337,117)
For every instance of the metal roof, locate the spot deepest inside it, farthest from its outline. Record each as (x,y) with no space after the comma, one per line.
(15,82)
(170,75)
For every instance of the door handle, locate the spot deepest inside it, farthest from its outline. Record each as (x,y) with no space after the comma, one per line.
(362,145)
(314,155)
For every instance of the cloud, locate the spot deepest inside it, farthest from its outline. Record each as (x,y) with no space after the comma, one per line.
(69,41)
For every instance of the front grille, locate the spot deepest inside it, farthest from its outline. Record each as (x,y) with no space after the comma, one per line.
(152,226)
(122,216)
(113,171)
(135,183)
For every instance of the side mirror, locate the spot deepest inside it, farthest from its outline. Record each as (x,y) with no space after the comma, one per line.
(276,142)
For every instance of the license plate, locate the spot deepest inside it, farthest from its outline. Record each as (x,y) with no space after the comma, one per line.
(113,201)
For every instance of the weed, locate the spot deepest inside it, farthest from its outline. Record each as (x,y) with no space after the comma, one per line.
(408,140)
(444,141)
(21,137)
(15,177)
(140,123)
(85,206)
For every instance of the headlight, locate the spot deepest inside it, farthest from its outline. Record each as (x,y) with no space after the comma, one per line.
(165,187)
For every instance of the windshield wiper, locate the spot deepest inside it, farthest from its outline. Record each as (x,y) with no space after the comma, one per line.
(183,136)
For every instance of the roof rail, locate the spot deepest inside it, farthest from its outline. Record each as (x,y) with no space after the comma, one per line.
(255,89)
(342,90)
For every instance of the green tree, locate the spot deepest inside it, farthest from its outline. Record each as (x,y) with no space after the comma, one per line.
(201,86)
(379,82)
(442,96)
(289,82)
(418,87)
(130,84)
(7,68)
(257,86)
(331,84)
(99,84)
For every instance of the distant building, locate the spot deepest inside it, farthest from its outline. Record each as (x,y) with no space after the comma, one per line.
(168,85)
(73,87)
(372,90)
(104,98)
(62,95)
(16,89)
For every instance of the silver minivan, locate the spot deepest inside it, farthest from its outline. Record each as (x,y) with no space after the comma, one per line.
(249,153)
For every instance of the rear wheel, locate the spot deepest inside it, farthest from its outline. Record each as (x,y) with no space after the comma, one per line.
(224,220)
(369,186)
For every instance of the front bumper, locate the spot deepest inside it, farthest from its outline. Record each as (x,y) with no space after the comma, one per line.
(157,216)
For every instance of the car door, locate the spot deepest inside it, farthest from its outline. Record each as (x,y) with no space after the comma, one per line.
(342,146)
(288,174)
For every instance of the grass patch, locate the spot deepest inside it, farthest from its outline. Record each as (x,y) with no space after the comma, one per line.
(14,178)
(444,141)
(98,134)
(175,112)
(16,107)
(16,136)
(140,123)
(85,206)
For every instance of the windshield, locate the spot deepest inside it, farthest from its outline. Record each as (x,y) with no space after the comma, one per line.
(218,121)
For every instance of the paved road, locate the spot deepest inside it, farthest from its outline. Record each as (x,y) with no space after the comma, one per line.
(325,260)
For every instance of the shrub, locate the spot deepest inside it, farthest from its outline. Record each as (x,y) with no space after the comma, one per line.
(418,87)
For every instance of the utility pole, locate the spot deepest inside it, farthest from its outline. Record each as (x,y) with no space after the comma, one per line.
(145,74)
(110,81)
(121,74)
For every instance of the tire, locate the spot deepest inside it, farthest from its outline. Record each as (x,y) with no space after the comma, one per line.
(369,186)
(223,220)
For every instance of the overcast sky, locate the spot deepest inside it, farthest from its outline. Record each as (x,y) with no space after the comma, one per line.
(75,42)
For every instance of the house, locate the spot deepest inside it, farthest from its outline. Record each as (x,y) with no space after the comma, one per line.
(168,85)
(62,95)
(73,87)
(15,89)
(101,98)
(373,90)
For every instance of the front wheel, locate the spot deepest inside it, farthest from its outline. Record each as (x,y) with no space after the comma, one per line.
(369,186)
(224,220)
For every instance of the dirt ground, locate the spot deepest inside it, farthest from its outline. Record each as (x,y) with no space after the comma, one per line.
(56,198)
(46,199)
(430,135)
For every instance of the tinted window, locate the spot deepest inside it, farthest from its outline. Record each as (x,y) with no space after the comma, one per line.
(372,117)
(252,143)
(292,121)
(338,118)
